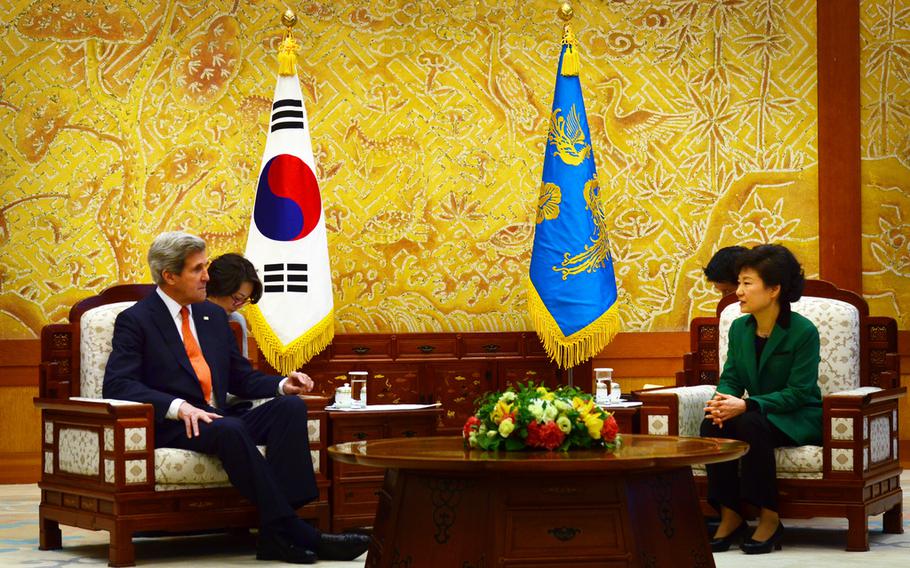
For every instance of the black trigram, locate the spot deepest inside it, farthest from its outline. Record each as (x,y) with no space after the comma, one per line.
(284,278)
(287,113)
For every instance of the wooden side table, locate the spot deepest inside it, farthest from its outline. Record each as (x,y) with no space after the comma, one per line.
(626,418)
(355,489)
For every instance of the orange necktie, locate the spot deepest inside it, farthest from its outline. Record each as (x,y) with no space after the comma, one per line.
(195,354)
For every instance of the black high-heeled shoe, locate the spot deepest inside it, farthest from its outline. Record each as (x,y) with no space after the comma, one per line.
(722,544)
(751,546)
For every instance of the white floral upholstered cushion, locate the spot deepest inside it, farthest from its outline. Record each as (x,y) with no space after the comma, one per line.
(96,330)
(800,462)
(838,330)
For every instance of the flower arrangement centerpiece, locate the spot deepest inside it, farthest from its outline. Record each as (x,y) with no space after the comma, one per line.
(535,417)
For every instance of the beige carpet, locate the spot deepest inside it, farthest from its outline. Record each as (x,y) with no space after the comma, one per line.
(815,542)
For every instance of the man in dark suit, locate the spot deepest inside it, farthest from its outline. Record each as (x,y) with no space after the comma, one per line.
(177,352)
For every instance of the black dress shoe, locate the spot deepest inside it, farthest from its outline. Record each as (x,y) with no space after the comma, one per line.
(275,546)
(750,546)
(723,544)
(344,546)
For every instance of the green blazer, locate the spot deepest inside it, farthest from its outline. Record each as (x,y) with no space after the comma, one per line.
(784,383)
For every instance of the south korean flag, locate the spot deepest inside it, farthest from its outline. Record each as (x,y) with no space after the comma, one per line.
(287,240)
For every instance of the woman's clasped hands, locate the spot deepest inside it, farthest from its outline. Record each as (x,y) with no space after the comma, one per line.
(723,407)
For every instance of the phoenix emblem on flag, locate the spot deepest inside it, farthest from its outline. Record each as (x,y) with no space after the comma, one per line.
(568,137)
(594,256)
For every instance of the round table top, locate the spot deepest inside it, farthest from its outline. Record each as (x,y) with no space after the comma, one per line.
(448,453)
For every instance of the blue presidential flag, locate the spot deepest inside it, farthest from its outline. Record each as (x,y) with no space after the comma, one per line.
(287,241)
(572,292)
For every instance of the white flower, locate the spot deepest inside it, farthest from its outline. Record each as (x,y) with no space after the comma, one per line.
(550,412)
(507,396)
(506,427)
(491,433)
(565,425)
(536,408)
(562,405)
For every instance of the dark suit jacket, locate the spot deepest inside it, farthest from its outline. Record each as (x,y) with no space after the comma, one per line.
(149,362)
(784,383)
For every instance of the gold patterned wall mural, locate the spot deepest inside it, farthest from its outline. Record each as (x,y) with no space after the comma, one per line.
(123,118)
(885,92)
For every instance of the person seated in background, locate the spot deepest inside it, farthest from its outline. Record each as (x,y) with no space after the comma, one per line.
(721,269)
(232,284)
(773,354)
(177,352)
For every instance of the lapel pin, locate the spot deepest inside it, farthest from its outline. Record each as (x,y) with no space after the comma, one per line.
(206,318)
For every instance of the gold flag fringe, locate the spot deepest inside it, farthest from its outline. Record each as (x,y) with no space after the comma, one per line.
(291,357)
(581,345)
(570,61)
(287,56)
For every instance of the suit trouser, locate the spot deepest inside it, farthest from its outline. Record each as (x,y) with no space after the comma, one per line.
(277,483)
(753,477)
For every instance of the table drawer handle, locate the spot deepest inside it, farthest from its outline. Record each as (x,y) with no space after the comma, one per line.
(360,350)
(564,534)
(360,435)
(491,348)
(426,348)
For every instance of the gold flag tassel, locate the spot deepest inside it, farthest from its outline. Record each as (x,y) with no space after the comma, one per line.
(287,51)
(570,63)
(290,357)
(580,346)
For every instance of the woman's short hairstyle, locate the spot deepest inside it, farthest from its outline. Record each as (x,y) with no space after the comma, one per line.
(722,266)
(169,251)
(776,266)
(228,272)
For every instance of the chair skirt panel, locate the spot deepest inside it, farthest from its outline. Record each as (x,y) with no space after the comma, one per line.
(838,324)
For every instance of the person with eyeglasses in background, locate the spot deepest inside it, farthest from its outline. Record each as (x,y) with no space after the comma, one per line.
(233,283)
(721,269)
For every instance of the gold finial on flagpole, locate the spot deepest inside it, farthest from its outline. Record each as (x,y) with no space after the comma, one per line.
(289,19)
(570,62)
(287,52)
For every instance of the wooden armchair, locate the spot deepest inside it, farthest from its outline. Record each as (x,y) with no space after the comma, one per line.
(856,472)
(101,470)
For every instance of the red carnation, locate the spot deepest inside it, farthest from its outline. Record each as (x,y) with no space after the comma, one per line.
(547,435)
(472,424)
(610,429)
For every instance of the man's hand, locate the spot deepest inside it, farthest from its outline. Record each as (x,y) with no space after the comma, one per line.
(724,407)
(297,383)
(191,417)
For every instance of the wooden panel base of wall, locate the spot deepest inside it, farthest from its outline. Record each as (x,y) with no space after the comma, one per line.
(20,467)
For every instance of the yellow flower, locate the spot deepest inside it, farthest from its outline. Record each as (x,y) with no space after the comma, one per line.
(501,409)
(595,424)
(545,394)
(506,427)
(583,407)
(565,425)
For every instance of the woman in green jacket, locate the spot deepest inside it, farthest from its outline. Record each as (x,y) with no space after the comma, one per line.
(773,355)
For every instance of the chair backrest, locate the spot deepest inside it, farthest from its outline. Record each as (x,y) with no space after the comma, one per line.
(96,327)
(838,324)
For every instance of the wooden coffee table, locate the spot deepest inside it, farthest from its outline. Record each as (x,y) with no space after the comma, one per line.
(442,505)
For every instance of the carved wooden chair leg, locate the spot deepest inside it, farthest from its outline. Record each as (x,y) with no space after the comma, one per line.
(121,551)
(50,537)
(858,530)
(893,521)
